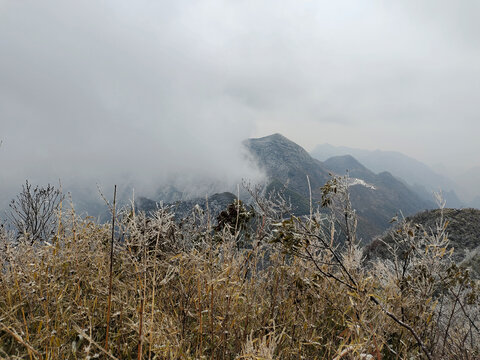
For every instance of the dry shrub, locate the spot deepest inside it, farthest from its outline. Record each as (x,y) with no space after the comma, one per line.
(184,290)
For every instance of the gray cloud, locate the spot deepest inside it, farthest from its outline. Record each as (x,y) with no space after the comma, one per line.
(94,92)
(144,91)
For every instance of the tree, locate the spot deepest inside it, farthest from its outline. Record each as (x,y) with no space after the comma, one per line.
(33,212)
(236,219)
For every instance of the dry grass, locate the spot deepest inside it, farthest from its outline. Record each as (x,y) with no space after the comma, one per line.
(188,292)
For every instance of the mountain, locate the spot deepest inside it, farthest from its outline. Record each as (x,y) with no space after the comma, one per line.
(284,163)
(344,163)
(183,208)
(287,162)
(377,198)
(419,176)
(388,198)
(463,233)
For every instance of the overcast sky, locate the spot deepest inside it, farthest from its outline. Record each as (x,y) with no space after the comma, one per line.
(145,89)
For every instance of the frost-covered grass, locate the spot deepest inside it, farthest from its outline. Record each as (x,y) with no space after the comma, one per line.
(189,291)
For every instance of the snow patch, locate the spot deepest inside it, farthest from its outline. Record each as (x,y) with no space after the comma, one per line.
(355,181)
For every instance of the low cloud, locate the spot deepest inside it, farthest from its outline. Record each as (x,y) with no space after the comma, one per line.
(93,93)
(144,92)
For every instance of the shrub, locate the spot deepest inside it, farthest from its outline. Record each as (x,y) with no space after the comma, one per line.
(295,292)
(33,212)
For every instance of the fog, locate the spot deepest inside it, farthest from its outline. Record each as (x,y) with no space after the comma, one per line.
(142,93)
(95,93)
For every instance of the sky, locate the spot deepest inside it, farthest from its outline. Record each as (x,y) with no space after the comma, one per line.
(142,91)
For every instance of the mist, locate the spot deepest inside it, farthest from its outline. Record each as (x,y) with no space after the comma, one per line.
(146,93)
(91,93)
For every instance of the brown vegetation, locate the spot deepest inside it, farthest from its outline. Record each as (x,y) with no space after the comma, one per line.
(188,291)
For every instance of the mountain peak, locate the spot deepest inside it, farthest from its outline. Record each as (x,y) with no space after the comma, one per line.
(274,138)
(286,161)
(343,163)
(275,145)
(348,162)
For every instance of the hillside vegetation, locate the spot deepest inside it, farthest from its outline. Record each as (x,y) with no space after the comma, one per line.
(253,283)
(463,232)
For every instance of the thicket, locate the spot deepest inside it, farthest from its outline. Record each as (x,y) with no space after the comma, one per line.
(256,283)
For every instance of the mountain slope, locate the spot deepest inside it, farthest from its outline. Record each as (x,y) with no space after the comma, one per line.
(183,208)
(342,164)
(388,198)
(377,199)
(463,233)
(422,179)
(287,162)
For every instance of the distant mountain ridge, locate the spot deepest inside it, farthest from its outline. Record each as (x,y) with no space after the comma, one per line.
(341,164)
(214,204)
(419,176)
